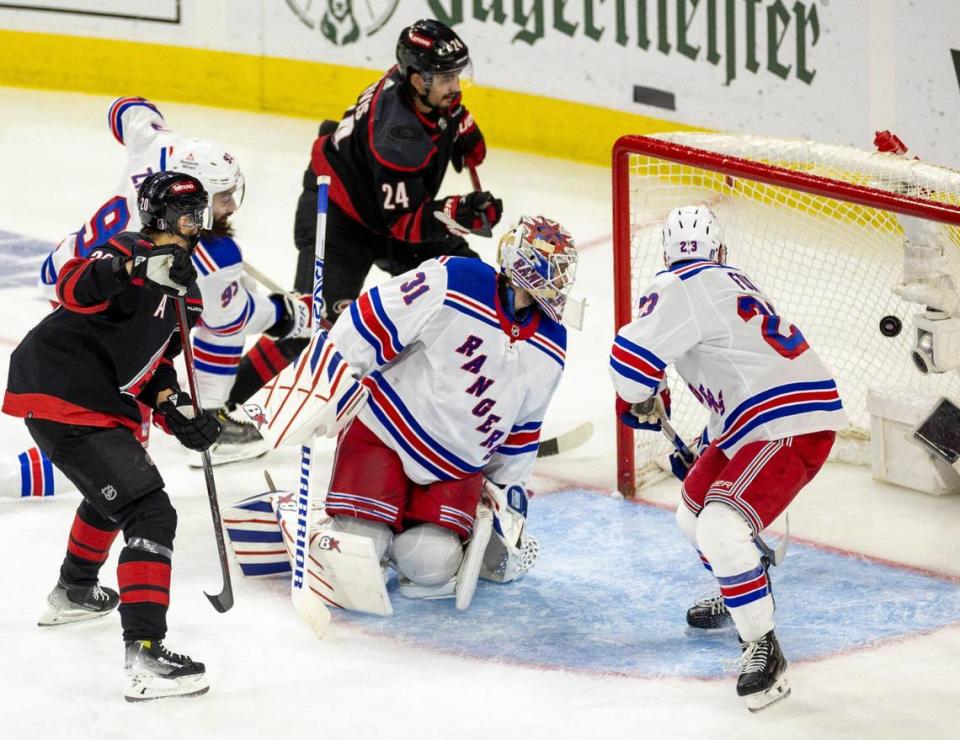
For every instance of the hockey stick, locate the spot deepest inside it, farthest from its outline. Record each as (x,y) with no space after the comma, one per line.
(774,554)
(307,604)
(223,600)
(567,441)
(261,278)
(475,180)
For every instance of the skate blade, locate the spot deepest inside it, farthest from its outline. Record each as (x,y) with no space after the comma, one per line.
(699,629)
(56,617)
(151,688)
(232,453)
(766,699)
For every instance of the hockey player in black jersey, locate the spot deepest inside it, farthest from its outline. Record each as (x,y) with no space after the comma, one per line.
(75,379)
(386,160)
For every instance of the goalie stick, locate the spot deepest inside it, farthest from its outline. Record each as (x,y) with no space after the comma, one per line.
(308,604)
(774,553)
(223,600)
(576,437)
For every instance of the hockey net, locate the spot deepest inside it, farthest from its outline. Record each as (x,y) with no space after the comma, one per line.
(813,225)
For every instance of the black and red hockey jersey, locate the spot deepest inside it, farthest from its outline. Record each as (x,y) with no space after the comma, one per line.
(108,344)
(386,161)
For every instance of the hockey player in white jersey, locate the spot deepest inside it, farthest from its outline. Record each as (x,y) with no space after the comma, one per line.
(774,411)
(460,362)
(232,307)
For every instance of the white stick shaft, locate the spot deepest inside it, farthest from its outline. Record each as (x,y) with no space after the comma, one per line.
(308,605)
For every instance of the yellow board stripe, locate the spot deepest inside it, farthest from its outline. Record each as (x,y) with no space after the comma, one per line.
(315,90)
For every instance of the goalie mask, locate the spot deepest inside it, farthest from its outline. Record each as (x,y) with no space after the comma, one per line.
(539,256)
(174,203)
(216,169)
(692,233)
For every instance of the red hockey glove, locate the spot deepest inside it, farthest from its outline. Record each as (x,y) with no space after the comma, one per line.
(889,142)
(467,211)
(469,148)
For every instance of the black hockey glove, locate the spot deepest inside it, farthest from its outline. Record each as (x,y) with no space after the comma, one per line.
(166,268)
(195,432)
(469,148)
(464,214)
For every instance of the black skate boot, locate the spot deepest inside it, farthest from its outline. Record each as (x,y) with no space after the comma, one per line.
(68,603)
(763,673)
(238,440)
(709,614)
(156,673)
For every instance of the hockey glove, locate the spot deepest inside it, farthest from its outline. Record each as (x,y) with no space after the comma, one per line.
(888,142)
(166,268)
(645,415)
(469,148)
(465,213)
(509,506)
(180,420)
(294,321)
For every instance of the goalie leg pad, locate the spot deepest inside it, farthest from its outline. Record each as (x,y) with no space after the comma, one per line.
(427,554)
(469,573)
(380,534)
(344,570)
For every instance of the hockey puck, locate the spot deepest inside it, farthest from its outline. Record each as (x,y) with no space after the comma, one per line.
(890,326)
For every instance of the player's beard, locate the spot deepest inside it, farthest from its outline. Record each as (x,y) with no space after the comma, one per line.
(221,227)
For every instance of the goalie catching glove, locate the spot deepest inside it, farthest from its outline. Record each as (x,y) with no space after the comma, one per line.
(646,415)
(513,551)
(177,417)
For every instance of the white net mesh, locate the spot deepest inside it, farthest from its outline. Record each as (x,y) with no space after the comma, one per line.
(827,264)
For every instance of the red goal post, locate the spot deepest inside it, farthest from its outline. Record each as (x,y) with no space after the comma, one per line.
(808,219)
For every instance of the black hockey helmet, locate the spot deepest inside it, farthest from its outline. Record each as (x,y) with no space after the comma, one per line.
(430,47)
(164,197)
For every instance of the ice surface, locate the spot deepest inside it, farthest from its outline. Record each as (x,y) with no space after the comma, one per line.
(591,645)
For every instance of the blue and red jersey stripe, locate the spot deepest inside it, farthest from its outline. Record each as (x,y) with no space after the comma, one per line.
(636,363)
(792,399)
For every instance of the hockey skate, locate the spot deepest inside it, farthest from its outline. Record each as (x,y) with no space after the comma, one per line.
(238,440)
(709,614)
(763,673)
(66,604)
(157,673)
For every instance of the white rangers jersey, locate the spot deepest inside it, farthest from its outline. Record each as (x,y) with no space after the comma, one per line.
(754,371)
(230,309)
(456,385)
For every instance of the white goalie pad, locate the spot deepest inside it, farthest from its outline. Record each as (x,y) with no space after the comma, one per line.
(344,570)
(316,395)
(469,572)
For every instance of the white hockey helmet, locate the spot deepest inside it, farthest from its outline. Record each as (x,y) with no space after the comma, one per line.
(539,256)
(691,233)
(211,164)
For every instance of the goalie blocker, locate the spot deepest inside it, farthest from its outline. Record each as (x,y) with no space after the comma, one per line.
(316,395)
